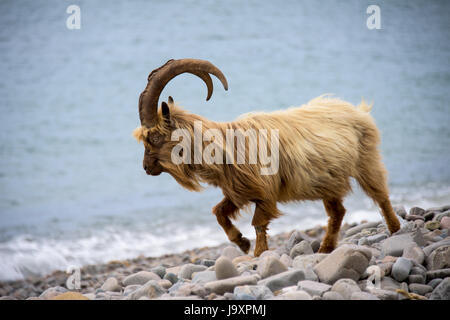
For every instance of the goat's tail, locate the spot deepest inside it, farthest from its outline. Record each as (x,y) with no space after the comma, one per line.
(363,106)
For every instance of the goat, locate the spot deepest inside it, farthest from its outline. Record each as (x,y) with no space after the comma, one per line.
(322,144)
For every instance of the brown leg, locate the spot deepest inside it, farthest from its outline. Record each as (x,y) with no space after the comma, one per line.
(223,210)
(336,212)
(264,212)
(373,180)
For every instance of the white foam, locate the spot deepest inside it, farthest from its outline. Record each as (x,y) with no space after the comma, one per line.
(24,256)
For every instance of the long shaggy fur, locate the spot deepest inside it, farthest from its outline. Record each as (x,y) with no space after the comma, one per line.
(321,145)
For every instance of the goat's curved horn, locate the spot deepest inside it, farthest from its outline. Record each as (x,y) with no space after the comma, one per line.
(158,78)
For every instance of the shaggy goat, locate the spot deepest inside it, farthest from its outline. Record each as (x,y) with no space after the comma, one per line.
(322,144)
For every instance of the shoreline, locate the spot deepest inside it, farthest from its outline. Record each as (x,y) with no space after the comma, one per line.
(198,273)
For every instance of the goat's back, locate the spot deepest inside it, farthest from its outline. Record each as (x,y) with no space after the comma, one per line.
(320,145)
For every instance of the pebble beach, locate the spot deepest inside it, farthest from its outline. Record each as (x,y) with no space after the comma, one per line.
(369,263)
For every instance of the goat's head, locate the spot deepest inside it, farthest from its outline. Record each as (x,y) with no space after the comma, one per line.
(156,127)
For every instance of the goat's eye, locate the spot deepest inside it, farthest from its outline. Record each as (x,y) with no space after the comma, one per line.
(155,139)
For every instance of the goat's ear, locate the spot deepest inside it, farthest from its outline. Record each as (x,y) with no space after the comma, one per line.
(170,101)
(165,112)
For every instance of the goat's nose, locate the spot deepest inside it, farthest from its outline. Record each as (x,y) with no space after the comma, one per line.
(145,167)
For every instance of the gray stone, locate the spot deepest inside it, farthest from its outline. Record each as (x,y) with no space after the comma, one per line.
(439,258)
(159,270)
(345,287)
(231,252)
(172,277)
(411,217)
(310,260)
(417,211)
(400,211)
(376,238)
(271,253)
(313,288)
(439,209)
(228,285)
(297,237)
(302,248)
(204,276)
(270,266)
(111,284)
(429,249)
(252,293)
(331,295)
(420,289)
(282,280)
(315,245)
(395,245)
(401,269)
(187,270)
(384,294)
(416,278)
(140,278)
(387,283)
(360,227)
(131,288)
(418,269)
(435,282)
(224,268)
(441,273)
(286,260)
(363,296)
(414,253)
(347,261)
(309,274)
(442,291)
(150,290)
(440,216)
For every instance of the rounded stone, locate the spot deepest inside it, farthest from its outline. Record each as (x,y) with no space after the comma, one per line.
(432,225)
(435,282)
(445,223)
(140,278)
(187,270)
(270,266)
(420,289)
(302,248)
(172,277)
(442,291)
(159,270)
(401,268)
(331,295)
(111,284)
(225,269)
(231,252)
(345,287)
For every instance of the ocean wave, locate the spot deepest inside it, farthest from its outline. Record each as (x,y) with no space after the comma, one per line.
(25,255)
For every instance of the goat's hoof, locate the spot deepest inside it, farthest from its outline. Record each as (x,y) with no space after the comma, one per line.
(244,244)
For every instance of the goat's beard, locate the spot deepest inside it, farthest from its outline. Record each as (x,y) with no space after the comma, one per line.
(184,175)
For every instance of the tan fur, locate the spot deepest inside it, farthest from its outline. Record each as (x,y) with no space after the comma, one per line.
(322,144)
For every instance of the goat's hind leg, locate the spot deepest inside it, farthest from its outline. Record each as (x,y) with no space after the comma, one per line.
(223,211)
(373,180)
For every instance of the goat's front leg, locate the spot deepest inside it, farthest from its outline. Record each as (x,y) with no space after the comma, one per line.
(223,210)
(264,212)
